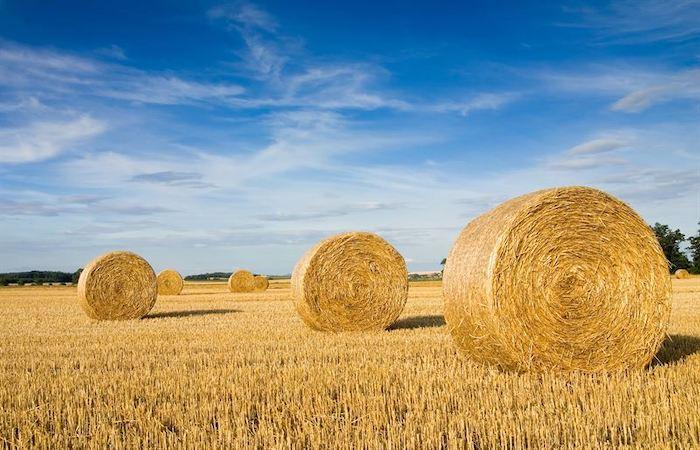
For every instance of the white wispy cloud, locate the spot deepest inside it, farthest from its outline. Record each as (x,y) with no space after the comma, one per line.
(172,178)
(682,85)
(299,140)
(113,51)
(587,162)
(22,104)
(277,73)
(482,101)
(40,71)
(246,15)
(34,203)
(343,210)
(641,21)
(167,90)
(599,145)
(46,139)
(600,152)
(633,88)
(293,78)
(266,53)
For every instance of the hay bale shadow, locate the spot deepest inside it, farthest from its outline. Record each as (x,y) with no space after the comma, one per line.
(676,348)
(418,322)
(190,313)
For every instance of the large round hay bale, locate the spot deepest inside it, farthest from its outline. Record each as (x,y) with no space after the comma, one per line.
(241,281)
(350,282)
(559,279)
(117,286)
(682,274)
(170,282)
(261,283)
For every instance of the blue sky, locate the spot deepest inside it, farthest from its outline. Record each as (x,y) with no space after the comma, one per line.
(207,136)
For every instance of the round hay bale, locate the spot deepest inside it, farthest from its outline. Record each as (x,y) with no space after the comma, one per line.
(350,282)
(170,282)
(559,279)
(117,286)
(682,274)
(261,283)
(241,281)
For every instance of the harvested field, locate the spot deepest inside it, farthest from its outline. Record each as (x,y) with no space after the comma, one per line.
(214,368)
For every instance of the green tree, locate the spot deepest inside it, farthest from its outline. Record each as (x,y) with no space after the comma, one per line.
(670,241)
(76,275)
(695,251)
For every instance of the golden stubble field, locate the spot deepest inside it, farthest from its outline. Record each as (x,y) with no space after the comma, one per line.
(210,368)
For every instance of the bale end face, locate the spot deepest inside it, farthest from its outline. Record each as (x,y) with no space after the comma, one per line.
(117,286)
(350,282)
(241,281)
(560,279)
(261,283)
(170,282)
(682,274)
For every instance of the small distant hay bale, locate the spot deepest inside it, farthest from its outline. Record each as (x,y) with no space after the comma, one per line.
(241,281)
(350,282)
(117,286)
(261,283)
(560,279)
(170,282)
(682,274)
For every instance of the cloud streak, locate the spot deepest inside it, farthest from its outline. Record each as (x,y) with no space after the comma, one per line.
(635,89)
(597,146)
(633,22)
(41,71)
(43,140)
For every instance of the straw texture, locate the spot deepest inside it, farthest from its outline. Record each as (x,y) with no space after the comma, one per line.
(350,282)
(560,279)
(241,281)
(682,274)
(261,283)
(170,282)
(117,286)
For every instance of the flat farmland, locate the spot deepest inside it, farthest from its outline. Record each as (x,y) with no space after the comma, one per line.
(211,368)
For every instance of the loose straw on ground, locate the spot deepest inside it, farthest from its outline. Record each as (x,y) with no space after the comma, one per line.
(350,282)
(241,281)
(560,279)
(117,286)
(170,282)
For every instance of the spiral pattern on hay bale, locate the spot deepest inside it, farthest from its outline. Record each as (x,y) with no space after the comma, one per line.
(350,282)
(169,282)
(261,283)
(682,274)
(117,286)
(560,279)
(241,281)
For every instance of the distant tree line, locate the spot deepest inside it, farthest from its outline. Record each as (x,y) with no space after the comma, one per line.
(424,276)
(209,276)
(671,241)
(39,277)
(225,275)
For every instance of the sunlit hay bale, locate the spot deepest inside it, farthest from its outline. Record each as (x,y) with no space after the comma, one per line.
(682,274)
(117,286)
(350,282)
(559,279)
(170,282)
(261,283)
(241,281)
